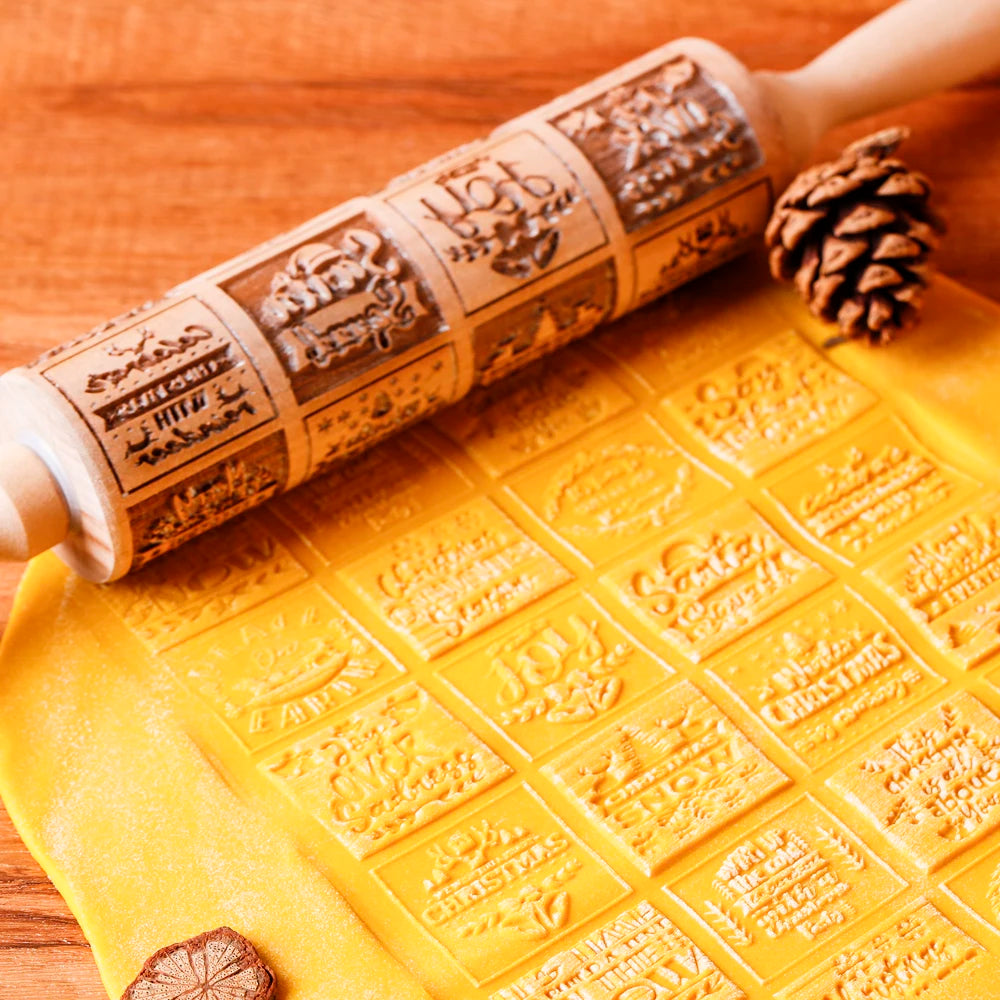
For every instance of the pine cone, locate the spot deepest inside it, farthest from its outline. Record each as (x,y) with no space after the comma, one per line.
(854,235)
(217,965)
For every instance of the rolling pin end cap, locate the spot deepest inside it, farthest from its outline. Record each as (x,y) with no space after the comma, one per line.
(33,512)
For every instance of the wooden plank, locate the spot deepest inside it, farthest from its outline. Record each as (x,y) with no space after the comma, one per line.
(43,952)
(42,972)
(33,914)
(15,861)
(144,142)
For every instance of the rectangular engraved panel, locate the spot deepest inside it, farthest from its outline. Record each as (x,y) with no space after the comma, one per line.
(948,581)
(210,497)
(663,139)
(368,496)
(665,776)
(530,329)
(392,402)
(617,488)
(290,661)
(501,884)
(505,425)
(194,589)
(859,496)
(827,678)
(338,304)
(386,770)
(700,242)
(768,404)
(558,672)
(933,788)
(506,215)
(454,577)
(713,580)
(164,392)
(786,889)
(639,954)
(916,955)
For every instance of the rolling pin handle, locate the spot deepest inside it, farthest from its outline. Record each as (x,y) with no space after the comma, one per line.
(912,49)
(33,513)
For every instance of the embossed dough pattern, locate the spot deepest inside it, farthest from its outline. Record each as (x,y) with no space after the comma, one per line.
(665,669)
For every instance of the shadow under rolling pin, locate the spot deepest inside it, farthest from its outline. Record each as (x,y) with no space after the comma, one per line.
(269,369)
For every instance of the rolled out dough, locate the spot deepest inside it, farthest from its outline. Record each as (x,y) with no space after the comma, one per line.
(572,667)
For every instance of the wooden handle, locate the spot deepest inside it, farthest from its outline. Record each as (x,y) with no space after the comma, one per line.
(912,49)
(33,513)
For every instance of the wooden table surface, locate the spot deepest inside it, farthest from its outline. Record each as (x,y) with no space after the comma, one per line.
(142,142)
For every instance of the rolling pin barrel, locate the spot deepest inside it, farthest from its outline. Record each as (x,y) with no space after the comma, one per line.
(284,361)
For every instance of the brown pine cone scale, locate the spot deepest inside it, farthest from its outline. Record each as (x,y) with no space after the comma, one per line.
(216,965)
(854,236)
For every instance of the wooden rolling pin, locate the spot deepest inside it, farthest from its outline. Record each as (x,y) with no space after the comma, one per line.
(268,369)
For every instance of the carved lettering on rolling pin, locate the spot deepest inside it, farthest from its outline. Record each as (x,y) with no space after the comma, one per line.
(663,139)
(338,305)
(355,422)
(502,217)
(164,391)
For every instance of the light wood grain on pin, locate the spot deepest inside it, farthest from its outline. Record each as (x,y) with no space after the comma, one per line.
(33,514)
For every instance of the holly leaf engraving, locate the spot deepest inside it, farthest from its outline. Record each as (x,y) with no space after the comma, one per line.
(730,924)
(842,847)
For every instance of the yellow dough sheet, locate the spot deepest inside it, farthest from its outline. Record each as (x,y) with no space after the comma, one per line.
(666,669)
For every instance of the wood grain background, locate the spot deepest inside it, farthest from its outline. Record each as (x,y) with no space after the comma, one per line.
(141,142)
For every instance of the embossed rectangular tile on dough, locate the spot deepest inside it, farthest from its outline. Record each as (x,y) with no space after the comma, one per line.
(713,580)
(787,888)
(501,884)
(292,661)
(666,776)
(505,425)
(948,580)
(461,573)
(567,666)
(759,408)
(933,787)
(639,951)
(386,770)
(857,496)
(821,679)
(617,488)
(916,953)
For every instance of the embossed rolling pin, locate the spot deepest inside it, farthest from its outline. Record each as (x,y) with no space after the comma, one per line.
(266,370)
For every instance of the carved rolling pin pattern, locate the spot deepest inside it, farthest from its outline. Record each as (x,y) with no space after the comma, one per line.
(266,370)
